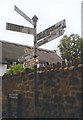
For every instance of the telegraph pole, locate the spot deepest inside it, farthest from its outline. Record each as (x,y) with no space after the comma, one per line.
(35,67)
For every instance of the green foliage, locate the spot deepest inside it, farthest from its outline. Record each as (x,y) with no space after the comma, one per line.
(13,69)
(30,69)
(71,46)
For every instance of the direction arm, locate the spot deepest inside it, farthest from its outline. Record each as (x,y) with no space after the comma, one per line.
(23,14)
(48,31)
(18,28)
(51,37)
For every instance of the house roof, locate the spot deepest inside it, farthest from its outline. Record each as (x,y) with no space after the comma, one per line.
(12,51)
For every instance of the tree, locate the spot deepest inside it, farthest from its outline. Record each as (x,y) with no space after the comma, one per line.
(71,46)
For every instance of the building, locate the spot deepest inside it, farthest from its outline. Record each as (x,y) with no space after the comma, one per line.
(10,52)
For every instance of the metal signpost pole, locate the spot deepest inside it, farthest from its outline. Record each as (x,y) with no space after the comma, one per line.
(35,67)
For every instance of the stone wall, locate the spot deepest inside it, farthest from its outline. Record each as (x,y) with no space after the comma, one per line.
(60,92)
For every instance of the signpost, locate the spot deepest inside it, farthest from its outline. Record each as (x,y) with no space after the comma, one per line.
(35,68)
(28,30)
(28,55)
(25,57)
(60,25)
(31,62)
(43,37)
(51,37)
(18,28)
(23,14)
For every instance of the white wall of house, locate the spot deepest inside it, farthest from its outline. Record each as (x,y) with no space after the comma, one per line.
(3,69)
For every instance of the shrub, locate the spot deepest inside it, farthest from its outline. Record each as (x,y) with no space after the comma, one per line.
(13,69)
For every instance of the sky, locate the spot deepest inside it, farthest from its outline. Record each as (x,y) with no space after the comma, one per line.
(49,12)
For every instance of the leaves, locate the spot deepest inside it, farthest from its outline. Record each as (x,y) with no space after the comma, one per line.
(71,46)
(17,68)
(13,69)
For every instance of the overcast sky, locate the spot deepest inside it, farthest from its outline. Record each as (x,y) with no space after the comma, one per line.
(49,12)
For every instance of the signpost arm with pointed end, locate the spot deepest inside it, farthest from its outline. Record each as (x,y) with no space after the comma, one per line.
(35,67)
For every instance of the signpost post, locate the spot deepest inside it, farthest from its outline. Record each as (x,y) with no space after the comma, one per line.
(43,37)
(35,67)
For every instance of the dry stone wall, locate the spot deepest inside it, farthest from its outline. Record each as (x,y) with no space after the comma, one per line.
(60,91)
